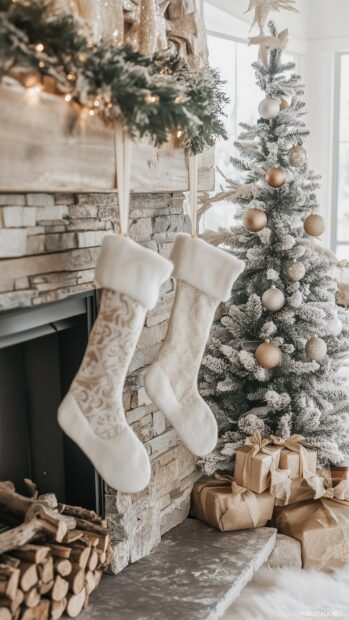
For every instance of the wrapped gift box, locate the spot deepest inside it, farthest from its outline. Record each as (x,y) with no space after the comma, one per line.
(294,456)
(253,463)
(321,526)
(226,506)
(288,491)
(291,460)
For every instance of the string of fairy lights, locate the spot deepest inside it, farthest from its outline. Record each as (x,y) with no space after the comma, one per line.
(51,50)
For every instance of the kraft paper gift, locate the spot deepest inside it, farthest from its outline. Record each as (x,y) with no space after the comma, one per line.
(254,461)
(322,527)
(294,456)
(288,491)
(226,506)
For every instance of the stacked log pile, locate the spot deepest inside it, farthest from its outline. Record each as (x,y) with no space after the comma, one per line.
(52,556)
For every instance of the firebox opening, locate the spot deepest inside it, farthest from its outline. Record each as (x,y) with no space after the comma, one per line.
(40,351)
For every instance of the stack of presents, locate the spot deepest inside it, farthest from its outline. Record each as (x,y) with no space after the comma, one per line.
(276,482)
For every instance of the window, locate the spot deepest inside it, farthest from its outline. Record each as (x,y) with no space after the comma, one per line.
(232,56)
(340,236)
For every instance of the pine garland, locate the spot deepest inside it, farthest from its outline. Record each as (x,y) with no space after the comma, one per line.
(152,97)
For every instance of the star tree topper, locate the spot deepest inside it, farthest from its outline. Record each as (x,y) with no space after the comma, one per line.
(263,8)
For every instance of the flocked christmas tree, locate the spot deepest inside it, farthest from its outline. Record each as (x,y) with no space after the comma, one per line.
(273,358)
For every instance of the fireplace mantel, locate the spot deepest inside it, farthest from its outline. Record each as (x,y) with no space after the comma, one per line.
(46,146)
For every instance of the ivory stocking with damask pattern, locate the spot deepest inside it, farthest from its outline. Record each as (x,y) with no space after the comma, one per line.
(92,413)
(205,275)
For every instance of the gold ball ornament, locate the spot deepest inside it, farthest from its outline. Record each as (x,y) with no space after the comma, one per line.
(283,104)
(297,156)
(268,355)
(269,108)
(276,177)
(314,225)
(273,299)
(296,271)
(254,220)
(316,349)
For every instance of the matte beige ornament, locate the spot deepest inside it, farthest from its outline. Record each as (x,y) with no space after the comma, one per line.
(283,104)
(297,156)
(316,349)
(273,299)
(255,220)
(276,177)
(268,355)
(314,225)
(269,108)
(296,271)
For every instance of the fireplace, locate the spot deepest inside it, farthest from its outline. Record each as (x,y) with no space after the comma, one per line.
(40,351)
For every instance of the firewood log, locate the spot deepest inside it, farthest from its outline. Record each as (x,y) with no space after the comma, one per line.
(31,488)
(57,609)
(81,513)
(12,604)
(45,570)
(82,524)
(60,589)
(32,553)
(90,582)
(72,536)
(60,551)
(45,588)
(80,555)
(103,542)
(88,538)
(42,611)
(27,614)
(9,579)
(102,559)
(75,604)
(98,574)
(63,567)
(29,576)
(93,560)
(5,614)
(49,500)
(10,561)
(76,579)
(32,598)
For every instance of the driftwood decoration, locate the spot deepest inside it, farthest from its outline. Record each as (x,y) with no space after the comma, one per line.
(52,559)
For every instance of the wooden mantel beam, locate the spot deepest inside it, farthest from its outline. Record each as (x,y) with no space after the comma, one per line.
(46,146)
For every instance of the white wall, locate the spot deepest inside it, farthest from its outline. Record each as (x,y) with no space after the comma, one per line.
(328,34)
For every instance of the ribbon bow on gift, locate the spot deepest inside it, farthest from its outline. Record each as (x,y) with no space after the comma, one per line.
(281,485)
(339,493)
(256,445)
(238,494)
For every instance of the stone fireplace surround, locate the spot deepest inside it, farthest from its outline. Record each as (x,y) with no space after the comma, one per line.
(49,244)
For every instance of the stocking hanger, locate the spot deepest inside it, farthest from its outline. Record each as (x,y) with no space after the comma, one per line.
(193,192)
(123,148)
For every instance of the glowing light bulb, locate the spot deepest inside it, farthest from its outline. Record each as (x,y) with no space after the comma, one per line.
(68,98)
(39,47)
(91,112)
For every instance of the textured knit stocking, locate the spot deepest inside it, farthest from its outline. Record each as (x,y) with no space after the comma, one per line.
(92,413)
(204,276)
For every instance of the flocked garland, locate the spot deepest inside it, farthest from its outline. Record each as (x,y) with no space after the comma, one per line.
(153,97)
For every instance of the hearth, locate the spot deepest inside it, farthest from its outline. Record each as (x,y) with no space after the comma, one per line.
(40,351)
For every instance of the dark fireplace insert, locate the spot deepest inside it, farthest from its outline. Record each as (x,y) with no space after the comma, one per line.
(41,349)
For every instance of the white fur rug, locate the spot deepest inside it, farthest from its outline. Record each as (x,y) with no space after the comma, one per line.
(288,593)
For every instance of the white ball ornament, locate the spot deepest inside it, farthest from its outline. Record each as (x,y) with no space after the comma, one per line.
(269,108)
(296,271)
(316,349)
(273,299)
(297,156)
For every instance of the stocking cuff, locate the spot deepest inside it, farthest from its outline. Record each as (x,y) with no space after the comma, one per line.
(212,270)
(128,268)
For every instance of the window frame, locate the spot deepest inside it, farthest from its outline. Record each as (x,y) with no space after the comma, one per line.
(337,92)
